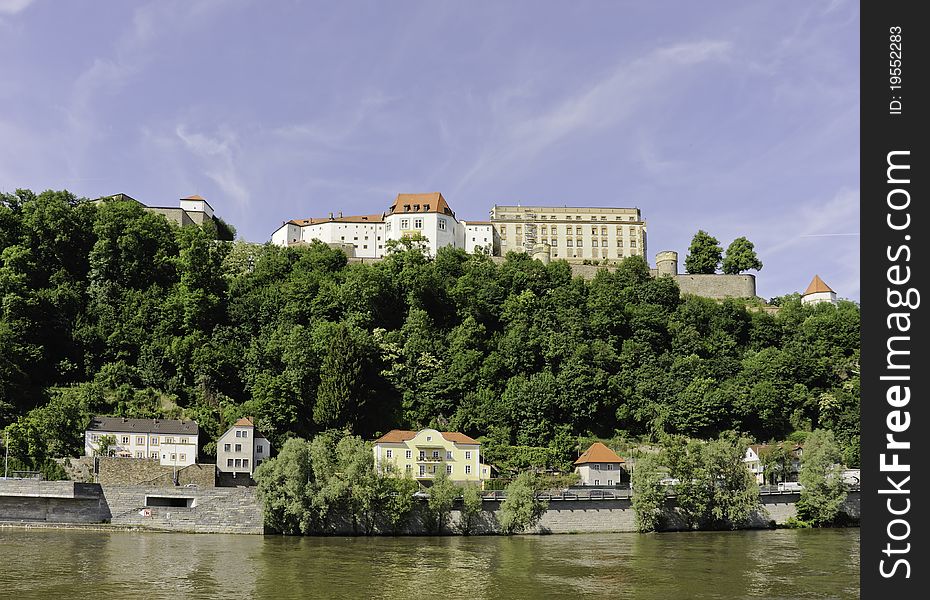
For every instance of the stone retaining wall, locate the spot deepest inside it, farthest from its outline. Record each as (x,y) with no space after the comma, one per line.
(136,471)
(213,510)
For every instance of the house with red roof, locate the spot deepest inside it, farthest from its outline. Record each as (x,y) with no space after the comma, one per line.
(599,465)
(818,292)
(427,453)
(241,449)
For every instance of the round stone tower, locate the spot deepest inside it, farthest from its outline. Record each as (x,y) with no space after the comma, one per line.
(542,253)
(667,263)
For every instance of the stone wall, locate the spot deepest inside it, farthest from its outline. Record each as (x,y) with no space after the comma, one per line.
(139,471)
(29,500)
(212,510)
(718,286)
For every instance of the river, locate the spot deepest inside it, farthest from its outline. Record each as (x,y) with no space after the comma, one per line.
(53,564)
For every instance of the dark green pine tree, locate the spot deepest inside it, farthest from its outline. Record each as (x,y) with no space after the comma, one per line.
(338,396)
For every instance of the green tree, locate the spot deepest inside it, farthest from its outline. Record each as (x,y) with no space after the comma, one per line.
(442,495)
(740,256)
(648,493)
(105,444)
(472,506)
(285,490)
(400,501)
(822,490)
(704,254)
(339,397)
(521,509)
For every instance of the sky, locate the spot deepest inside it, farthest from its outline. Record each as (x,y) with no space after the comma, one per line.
(738,118)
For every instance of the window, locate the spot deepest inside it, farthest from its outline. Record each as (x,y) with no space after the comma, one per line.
(140,440)
(603,231)
(183,457)
(259,449)
(603,218)
(632,219)
(619,243)
(578,243)
(125,439)
(169,440)
(569,242)
(418,223)
(597,482)
(183,440)
(610,482)
(468,455)
(448,454)
(153,455)
(229,462)
(435,453)
(138,454)
(422,455)
(442,224)
(422,470)
(408,468)
(238,462)
(245,434)
(594,230)
(154,440)
(597,467)
(94,437)
(245,463)
(238,447)
(448,469)
(632,243)
(577,229)
(468,469)
(226,447)
(387,227)
(594,243)
(405,223)
(406,208)
(416,208)
(238,433)
(389,454)
(409,454)
(174,456)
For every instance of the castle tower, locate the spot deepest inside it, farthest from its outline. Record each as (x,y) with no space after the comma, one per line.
(542,253)
(817,292)
(667,263)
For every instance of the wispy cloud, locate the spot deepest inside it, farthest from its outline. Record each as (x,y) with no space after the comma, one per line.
(218,154)
(11,7)
(815,219)
(605,103)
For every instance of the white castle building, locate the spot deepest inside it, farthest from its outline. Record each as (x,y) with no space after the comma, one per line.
(559,232)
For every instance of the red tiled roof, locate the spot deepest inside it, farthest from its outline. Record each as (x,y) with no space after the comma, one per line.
(598,453)
(422,203)
(249,422)
(194,197)
(397,436)
(817,285)
(378,218)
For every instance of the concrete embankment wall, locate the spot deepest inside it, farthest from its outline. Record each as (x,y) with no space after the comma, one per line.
(132,471)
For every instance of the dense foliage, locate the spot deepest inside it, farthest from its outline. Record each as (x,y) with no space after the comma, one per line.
(823,492)
(704,254)
(106,308)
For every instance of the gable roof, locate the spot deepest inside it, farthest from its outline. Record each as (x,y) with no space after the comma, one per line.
(598,453)
(398,436)
(247,422)
(124,425)
(817,285)
(194,197)
(427,203)
(377,218)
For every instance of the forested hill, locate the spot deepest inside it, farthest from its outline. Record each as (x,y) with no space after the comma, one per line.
(109,309)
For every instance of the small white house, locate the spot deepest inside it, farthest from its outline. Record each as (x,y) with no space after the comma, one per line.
(754,457)
(170,442)
(599,465)
(242,448)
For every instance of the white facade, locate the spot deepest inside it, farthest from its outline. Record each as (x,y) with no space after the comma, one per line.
(599,474)
(169,449)
(818,297)
(197,204)
(364,234)
(439,230)
(241,449)
(481,237)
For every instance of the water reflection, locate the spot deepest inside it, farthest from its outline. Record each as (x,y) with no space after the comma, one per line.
(56,564)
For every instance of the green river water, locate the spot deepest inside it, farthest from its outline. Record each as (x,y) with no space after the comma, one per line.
(104,565)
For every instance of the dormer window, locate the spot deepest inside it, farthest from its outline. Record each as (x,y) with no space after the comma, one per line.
(416,208)
(406,208)
(426,208)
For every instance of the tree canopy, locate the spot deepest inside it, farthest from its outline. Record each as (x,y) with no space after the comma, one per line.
(704,254)
(741,256)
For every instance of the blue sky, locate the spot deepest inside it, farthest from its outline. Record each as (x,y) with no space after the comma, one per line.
(739,118)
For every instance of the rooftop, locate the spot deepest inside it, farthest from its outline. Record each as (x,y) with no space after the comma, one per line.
(397,436)
(125,425)
(598,453)
(817,285)
(432,202)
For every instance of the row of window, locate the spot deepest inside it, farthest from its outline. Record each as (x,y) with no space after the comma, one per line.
(240,462)
(154,455)
(568,230)
(417,224)
(140,439)
(259,449)
(432,470)
(607,467)
(389,453)
(567,217)
(579,254)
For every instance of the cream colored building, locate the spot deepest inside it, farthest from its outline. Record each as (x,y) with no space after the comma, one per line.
(818,292)
(426,453)
(170,442)
(573,233)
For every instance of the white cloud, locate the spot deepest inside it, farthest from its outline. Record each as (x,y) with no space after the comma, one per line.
(817,219)
(11,7)
(218,154)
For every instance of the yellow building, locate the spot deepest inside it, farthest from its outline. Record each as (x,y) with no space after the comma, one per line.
(426,453)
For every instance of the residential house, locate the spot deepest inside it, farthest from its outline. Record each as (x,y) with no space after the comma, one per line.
(599,465)
(754,460)
(170,442)
(426,453)
(242,448)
